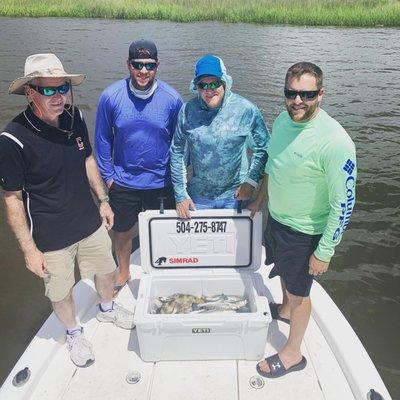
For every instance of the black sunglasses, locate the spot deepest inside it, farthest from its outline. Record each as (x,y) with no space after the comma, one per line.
(51,90)
(150,66)
(212,85)
(304,94)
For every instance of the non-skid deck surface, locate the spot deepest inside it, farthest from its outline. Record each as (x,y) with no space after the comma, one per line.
(117,354)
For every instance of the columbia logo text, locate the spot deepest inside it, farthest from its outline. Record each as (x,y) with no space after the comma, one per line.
(347,205)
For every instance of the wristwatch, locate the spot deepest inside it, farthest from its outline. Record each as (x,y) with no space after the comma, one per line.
(104,199)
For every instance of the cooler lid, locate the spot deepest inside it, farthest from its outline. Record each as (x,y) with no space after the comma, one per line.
(225,240)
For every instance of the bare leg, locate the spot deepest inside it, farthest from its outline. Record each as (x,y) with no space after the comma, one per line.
(300,311)
(65,311)
(105,286)
(123,250)
(284,309)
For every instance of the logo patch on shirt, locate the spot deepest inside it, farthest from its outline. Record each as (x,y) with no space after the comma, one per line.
(297,154)
(80,144)
(349,166)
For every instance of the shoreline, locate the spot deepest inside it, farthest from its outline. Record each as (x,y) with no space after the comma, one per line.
(350,13)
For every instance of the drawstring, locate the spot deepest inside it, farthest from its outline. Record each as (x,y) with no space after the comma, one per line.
(67,108)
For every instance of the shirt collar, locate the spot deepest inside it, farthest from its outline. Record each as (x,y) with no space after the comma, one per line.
(143,94)
(41,128)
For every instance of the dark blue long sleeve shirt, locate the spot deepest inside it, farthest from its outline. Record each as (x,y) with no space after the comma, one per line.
(133,135)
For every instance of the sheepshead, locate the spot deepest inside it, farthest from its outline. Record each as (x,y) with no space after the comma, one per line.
(180,303)
(223,305)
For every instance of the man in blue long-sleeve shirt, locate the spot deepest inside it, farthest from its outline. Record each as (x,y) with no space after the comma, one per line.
(136,118)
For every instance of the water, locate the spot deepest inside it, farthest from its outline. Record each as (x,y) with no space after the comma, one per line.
(361,67)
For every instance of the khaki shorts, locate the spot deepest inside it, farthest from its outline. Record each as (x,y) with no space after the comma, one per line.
(93,255)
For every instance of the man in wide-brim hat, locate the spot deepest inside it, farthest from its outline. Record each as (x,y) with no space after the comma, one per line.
(47,171)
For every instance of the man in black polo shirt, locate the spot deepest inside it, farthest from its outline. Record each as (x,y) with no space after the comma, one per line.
(47,170)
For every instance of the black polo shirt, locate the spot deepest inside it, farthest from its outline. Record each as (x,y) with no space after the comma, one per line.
(48,165)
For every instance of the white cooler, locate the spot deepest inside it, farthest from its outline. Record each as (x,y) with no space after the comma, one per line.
(215,252)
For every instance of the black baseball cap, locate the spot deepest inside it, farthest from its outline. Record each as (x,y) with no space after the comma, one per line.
(141,49)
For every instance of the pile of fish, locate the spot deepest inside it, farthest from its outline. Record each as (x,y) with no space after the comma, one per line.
(180,303)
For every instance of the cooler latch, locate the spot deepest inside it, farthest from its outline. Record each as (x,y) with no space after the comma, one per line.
(162,204)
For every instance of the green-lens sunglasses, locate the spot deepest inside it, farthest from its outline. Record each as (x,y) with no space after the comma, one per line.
(212,85)
(51,90)
(150,66)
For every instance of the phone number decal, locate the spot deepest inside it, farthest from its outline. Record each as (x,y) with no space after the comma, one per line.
(201,227)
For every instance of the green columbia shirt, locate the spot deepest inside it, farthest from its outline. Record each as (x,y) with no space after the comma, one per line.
(312,176)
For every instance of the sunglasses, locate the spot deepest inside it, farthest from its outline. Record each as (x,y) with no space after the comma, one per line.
(51,90)
(212,85)
(304,94)
(150,66)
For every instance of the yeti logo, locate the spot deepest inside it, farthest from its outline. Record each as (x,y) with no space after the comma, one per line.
(161,260)
(201,330)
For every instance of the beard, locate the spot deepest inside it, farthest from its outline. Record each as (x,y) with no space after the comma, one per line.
(139,85)
(309,112)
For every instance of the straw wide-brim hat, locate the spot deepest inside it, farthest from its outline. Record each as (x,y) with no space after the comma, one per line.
(43,66)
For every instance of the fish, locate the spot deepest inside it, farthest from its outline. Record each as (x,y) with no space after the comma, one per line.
(223,306)
(180,303)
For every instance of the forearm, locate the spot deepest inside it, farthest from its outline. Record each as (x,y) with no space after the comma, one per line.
(339,218)
(180,188)
(178,167)
(262,190)
(178,174)
(341,179)
(95,180)
(105,164)
(104,140)
(260,139)
(16,218)
(257,166)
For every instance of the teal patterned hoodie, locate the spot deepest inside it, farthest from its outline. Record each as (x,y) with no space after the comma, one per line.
(216,141)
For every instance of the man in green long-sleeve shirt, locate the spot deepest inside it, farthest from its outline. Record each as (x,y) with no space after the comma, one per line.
(311,187)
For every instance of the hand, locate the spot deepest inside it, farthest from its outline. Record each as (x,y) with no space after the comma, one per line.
(183,207)
(109,183)
(317,267)
(36,262)
(254,206)
(106,214)
(244,191)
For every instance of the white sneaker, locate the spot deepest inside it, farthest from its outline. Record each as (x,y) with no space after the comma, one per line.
(80,350)
(118,315)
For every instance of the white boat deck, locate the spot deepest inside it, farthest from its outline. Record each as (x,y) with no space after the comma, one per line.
(117,354)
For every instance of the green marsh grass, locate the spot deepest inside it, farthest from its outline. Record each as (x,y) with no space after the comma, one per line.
(362,13)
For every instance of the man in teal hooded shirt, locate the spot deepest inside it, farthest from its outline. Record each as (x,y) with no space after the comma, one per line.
(217,127)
